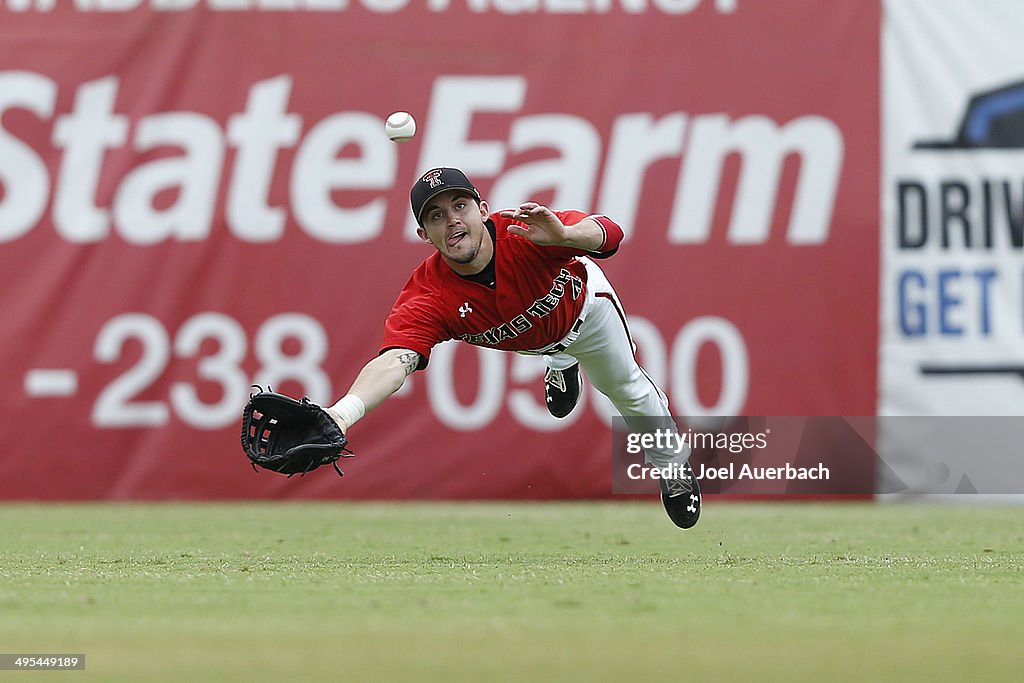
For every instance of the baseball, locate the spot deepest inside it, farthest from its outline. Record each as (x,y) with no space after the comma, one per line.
(400,126)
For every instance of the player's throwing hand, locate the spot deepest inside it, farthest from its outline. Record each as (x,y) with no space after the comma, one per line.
(541,227)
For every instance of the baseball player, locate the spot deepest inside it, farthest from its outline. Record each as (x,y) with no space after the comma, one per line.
(521,280)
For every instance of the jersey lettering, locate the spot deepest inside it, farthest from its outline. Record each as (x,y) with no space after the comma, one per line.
(495,335)
(547,303)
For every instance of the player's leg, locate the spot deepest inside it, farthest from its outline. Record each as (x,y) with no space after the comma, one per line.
(605,350)
(607,353)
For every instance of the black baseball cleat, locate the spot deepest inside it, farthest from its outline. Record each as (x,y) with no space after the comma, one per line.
(681,498)
(562,390)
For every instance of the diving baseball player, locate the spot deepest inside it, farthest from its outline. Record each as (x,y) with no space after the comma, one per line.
(520,280)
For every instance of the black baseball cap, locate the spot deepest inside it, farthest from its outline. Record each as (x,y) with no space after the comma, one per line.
(434,182)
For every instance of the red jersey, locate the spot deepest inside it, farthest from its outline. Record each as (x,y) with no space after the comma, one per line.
(537,296)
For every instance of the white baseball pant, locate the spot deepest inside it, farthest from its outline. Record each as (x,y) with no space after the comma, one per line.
(606,353)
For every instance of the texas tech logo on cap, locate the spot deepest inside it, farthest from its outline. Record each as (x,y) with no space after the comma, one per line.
(433,177)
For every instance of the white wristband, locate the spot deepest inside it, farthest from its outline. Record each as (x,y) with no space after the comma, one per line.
(351,408)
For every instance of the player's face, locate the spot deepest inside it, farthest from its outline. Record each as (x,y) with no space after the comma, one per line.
(454,223)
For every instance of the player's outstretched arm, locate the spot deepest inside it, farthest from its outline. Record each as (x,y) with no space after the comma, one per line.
(381,377)
(543,227)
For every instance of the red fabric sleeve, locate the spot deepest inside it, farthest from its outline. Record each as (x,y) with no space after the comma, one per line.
(612,235)
(413,324)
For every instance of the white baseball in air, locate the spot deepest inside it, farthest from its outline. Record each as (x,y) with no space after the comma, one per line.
(400,126)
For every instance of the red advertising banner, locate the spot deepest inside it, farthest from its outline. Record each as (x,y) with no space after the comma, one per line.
(197,196)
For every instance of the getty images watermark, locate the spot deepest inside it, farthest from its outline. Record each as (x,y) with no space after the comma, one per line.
(823,455)
(744,455)
(671,442)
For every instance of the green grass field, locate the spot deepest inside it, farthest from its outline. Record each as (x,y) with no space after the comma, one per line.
(514,591)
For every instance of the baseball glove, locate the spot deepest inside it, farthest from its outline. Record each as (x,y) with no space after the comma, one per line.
(288,436)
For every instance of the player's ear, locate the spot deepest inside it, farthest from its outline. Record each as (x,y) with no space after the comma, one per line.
(423,235)
(484,211)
